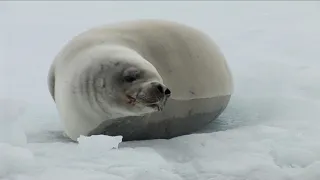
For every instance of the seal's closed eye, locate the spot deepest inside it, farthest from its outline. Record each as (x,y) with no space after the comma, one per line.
(131,74)
(130,78)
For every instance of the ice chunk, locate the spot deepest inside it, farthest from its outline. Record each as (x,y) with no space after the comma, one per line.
(99,143)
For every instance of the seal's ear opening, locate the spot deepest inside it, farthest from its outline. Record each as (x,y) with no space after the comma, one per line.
(131,74)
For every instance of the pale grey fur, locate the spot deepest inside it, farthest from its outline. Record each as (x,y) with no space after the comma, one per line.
(177,56)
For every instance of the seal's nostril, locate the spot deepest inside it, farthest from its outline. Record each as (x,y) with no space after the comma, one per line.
(160,88)
(167,92)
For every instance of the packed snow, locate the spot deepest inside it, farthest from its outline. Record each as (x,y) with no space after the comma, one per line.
(269,131)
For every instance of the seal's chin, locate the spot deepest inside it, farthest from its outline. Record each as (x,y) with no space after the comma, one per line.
(158,106)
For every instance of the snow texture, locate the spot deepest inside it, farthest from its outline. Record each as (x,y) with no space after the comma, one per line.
(269,131)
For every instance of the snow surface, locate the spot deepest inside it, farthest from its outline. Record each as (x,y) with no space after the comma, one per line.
(269,131)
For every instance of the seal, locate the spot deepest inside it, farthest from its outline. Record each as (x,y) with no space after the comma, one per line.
(141,79)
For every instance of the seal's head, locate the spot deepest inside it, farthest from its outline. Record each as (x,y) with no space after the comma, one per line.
(128,85)
(137,90)
(143,89)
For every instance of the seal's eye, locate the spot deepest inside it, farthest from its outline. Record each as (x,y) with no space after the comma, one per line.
(131,74)
(130,78)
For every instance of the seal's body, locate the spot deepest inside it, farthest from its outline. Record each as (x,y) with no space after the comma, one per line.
(141,79)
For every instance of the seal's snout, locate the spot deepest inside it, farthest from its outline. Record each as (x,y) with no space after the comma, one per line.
(154,95)
(161,89)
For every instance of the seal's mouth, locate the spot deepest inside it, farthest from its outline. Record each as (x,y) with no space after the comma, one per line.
(159,105)
(156,106)
(131,100)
